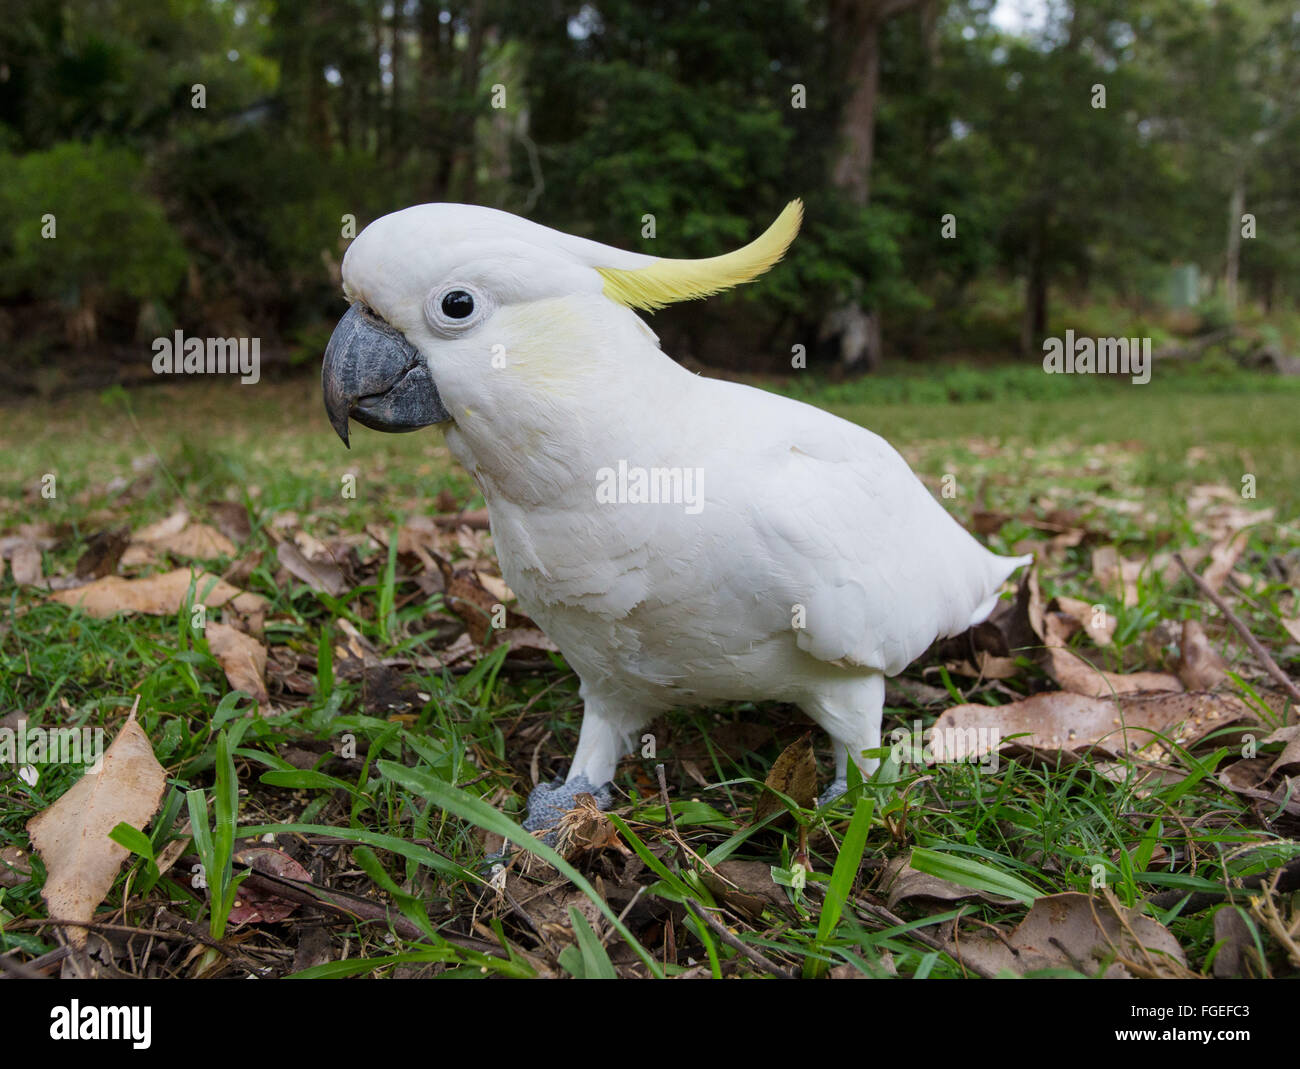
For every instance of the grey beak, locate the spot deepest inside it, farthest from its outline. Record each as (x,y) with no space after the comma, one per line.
(373,375)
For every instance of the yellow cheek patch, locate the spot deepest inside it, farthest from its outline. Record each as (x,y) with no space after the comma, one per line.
(550,338)
(666,281)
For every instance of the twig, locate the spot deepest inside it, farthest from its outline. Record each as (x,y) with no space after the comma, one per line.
(663,793)
(15,968)
(739,945)
(1258,650)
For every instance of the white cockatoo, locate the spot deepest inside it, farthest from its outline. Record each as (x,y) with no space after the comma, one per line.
(683,540)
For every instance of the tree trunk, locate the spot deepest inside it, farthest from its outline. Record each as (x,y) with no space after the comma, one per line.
(1232,268)
(1033,324)
(855,28)
(852,171)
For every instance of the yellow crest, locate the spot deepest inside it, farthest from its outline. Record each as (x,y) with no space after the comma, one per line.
(667,281)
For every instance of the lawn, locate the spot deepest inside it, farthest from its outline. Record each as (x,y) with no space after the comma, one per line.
(398,734)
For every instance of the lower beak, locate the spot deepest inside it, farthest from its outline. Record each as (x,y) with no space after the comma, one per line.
(373,375)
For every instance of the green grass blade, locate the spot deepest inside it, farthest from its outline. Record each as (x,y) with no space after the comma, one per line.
(478,812)
(973,874)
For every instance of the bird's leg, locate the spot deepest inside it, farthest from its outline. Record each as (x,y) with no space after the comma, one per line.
(605,736)
(851,716)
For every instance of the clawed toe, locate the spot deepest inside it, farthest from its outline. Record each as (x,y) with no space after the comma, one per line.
(548,802)
(835,790)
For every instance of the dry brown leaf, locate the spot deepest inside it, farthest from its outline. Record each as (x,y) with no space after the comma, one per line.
(1200,666)
(794,774)
(901,883)
(1288,761)
(495,585)
(1224,555)
(526,640)
(1238,955)
(15,866)
(312,547)
(1116,575)
(242,658)
(231,519)
(1060,720)
(81,861)
(745,886)
(1292,627)
(469,599)
(1075,931)
(1250,778)
(1077,675)
(157,595)
(197,541)
(1098,625)
(163,529)
(252,904)
(323,576)
(25,563)
(102,553)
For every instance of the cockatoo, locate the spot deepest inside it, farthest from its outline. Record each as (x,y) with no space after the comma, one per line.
(683,540)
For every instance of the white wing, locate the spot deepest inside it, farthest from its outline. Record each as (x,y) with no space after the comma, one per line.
(849,532)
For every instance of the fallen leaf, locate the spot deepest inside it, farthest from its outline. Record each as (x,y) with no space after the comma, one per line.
(495,586)
(1237,956)
(25,564)
(1075,674)
(1116,575)
(15,867)
(1075,931)
(324,577)
(252,904)
(1224,555)
(163,529)
(242,658)
(526,639)
(81,861)
(197,541)
(158,595)
(794,774)
(1097,623)
(1288,761)
(1200,666)
(1292,627)
(231,519)
(745,886)
(102,553)
(1060,720)
(901,883)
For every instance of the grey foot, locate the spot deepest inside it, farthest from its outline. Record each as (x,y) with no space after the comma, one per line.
(835,790)
(548,802)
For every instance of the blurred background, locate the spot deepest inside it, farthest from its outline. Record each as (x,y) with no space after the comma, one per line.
(977,174)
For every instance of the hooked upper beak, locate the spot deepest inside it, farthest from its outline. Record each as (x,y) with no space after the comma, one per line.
(372,374)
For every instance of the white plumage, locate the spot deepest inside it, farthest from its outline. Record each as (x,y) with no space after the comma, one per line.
(817,564)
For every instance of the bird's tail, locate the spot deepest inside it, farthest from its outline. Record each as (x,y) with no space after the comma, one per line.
(999,574)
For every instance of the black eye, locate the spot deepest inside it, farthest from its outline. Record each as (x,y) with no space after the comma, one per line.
(457,305)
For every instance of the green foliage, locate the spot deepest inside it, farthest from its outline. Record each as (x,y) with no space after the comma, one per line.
(993,170)
(77,218)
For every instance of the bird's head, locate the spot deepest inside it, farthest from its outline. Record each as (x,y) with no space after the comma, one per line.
(458,311)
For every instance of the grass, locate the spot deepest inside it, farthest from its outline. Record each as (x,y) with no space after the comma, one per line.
(405,806)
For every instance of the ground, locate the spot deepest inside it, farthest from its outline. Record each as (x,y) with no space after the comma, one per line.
(399,730)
